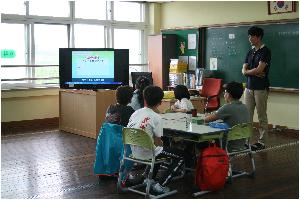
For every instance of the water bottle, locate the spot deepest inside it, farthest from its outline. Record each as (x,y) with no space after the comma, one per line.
(188,119)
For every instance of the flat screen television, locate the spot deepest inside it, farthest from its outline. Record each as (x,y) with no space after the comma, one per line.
(93,68)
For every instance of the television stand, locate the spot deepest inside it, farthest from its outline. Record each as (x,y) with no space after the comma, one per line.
(82,112)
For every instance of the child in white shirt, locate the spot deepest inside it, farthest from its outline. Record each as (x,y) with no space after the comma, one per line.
(148,120)
(183,103)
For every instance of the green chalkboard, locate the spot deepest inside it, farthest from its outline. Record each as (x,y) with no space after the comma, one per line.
(230,46)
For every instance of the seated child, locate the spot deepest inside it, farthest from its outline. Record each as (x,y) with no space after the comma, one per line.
(233,112)
(183,103)
(151,122)
(137,100)
(120,112)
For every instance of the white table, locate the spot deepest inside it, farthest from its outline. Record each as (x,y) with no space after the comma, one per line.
(176,122)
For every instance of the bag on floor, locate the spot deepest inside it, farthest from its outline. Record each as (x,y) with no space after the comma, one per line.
(212,169)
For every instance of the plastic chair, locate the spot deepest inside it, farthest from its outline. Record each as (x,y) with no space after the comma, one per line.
(237,132)
(211,88)
(109,150)
(132,136)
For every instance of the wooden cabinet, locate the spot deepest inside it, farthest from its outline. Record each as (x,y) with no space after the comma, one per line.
(161,48)
(198,103)
(83,111)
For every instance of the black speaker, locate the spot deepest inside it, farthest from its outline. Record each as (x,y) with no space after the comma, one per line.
(122,65)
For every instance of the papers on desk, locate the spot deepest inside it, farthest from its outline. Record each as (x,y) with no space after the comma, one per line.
(176,122)
(195,129)
(177,116)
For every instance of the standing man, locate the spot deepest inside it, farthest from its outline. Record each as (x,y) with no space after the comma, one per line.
(256,69)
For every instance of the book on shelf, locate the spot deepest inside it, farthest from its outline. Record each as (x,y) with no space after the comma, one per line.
(187,79)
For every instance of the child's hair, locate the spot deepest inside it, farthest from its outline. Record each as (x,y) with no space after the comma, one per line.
(153,95)
(234,89)
(141,83)
(256,31)
(181,91)
(124,94)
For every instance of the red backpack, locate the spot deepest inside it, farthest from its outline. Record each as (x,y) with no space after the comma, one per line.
(212,169)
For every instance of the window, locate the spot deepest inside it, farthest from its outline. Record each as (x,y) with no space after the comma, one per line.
(16,43)
(49,8)
(46,72)
(89,36)
(48,39)
(129,39)
(13,7)
(127,11)
(13,73)
(90,9)
(53,25)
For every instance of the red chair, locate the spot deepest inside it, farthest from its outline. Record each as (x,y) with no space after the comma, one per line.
(211,89)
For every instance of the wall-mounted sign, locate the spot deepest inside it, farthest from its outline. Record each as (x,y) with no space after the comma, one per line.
(8,53)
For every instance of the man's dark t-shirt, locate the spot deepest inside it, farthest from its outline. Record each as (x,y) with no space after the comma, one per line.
(253,58)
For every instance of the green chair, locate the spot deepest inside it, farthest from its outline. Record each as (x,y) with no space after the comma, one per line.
(240,131)
(140,138)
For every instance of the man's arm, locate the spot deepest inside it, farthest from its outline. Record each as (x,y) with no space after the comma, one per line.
(245,68)
(211,117)
(258,71)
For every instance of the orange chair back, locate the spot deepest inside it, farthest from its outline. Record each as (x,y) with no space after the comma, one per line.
(211,87)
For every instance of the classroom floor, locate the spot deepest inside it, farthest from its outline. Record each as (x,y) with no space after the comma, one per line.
(54,164)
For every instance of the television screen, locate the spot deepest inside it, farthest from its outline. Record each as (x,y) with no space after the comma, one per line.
(93,67)
(83,68)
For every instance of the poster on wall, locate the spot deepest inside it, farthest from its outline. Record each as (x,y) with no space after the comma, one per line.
(192,40)
(213,63)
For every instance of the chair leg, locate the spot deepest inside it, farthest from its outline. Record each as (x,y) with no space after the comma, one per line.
(148,185)
(230,173)
(147,195)
(221,145)
(253,165)
(241,173)
(121,171)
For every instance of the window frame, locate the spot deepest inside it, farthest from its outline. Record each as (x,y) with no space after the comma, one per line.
(109,25)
